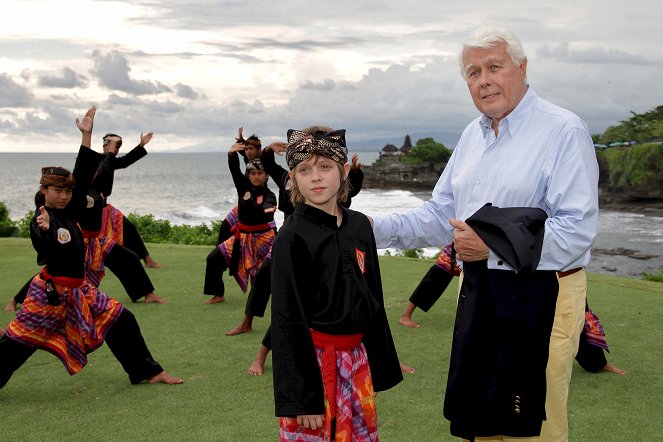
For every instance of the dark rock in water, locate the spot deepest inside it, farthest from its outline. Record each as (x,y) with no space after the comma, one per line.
(621,251)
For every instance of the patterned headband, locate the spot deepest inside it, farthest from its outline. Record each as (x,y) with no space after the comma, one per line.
(254,164)
(56,176)
(302,146)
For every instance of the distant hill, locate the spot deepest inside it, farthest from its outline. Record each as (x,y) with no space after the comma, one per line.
(449,139)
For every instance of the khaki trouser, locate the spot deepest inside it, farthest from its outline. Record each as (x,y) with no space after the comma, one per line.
(567,326)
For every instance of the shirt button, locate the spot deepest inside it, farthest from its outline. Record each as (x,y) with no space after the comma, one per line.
(477,181)
(501,263)
(484,155)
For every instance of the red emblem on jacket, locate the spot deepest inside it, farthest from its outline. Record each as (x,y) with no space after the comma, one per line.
(361,260)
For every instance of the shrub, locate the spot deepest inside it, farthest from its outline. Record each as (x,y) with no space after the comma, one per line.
(655,277)
(7,226)
(161,231)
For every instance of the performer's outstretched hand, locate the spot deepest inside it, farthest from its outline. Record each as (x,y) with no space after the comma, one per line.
(144,139)
(43,220)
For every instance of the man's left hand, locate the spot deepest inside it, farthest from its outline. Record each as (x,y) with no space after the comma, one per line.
(468,245)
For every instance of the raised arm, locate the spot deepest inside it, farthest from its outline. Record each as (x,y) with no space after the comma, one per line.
(274,170)
(85,125)
(240,180)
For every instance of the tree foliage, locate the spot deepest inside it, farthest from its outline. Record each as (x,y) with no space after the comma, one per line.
(7,226)
(640,127)
(633,166)
(427,150)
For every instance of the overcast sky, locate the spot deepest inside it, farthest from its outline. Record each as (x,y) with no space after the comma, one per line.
(194,71)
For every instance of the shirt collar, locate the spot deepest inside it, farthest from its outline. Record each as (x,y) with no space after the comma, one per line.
(515,119)
(320,216)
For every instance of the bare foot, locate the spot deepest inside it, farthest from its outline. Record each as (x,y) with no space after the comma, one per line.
(11,306)
(215,300)
(406,368)
(165,378)
(2,333)
(149,262)
(152,297)
(612,369)
(241,328)
(257,367)
(408,322)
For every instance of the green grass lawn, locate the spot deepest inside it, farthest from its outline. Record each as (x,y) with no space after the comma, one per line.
(221,402)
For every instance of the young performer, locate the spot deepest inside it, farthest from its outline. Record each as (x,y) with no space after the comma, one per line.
(328,319)
(252,150)
(251,243)
(64,314)
(256,302)
(103,251)
(115,225)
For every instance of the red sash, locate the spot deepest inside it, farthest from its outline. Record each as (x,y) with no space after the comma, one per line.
(61,280)
(329,345)
(240,228)
(90,234)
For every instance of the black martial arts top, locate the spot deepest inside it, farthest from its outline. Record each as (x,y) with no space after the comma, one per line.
(61,248)
(327,278)
(105,184)
(91,217)
(282,180)
(252,200)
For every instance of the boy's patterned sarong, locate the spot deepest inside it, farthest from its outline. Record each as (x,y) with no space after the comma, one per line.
(70,330)
(112,224)
(232,218)
(354,414)
(255,247)
(594,330)
(96,250)
(447,260)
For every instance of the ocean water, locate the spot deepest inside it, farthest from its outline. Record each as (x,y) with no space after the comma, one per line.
(197,188)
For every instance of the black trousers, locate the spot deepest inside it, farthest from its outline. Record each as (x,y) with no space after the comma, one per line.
(224,232)
(124,264)
(261,290)
(132,239)
(590,357)
(216,265)
(431,287)
(123,338)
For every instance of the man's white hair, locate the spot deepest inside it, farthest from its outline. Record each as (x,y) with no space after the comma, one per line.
(487,37)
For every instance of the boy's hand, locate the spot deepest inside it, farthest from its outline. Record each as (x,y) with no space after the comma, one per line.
(355,162)
(144,139)
(237,147)
(43,220)
(312,421)
(278,147)
(85,125)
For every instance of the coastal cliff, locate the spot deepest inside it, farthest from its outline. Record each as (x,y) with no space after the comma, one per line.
(390,172)
(629,177)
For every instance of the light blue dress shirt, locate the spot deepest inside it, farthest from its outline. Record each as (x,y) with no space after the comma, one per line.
(543,157)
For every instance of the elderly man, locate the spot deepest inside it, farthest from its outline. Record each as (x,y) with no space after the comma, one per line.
(526,153)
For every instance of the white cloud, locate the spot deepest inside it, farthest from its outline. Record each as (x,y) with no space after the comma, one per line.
(194,72)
